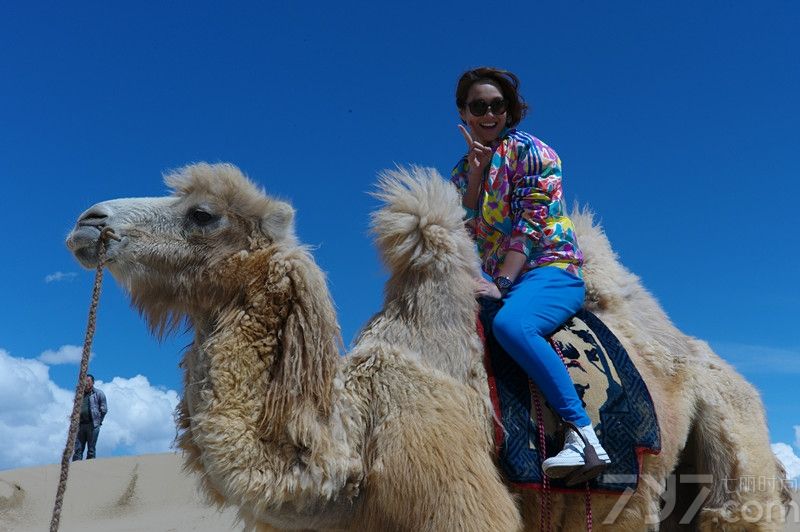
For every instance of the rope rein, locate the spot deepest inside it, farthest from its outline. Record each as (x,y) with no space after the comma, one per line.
(545,519)
(69,448)
(587,501)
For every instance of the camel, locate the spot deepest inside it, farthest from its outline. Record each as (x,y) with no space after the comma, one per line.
(397,434)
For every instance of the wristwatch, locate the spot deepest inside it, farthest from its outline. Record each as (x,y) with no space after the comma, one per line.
(503,284)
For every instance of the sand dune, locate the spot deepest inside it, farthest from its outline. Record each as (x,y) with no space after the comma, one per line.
(135,493)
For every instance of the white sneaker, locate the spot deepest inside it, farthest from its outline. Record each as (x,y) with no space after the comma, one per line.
(571,459)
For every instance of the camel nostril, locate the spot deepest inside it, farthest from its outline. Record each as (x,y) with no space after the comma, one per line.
(96,217)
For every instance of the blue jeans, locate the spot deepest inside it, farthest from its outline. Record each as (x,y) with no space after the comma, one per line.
(86,437)
(540,302)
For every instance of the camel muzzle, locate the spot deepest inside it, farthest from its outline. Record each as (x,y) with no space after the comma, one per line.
(84,240)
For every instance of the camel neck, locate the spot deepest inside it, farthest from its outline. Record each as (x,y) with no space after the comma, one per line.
(260,383)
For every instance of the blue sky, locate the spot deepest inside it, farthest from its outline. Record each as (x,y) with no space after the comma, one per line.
(676,122)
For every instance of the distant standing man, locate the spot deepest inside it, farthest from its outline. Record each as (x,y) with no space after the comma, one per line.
(93,411)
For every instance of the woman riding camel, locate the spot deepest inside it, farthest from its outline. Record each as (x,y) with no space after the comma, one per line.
(511,188)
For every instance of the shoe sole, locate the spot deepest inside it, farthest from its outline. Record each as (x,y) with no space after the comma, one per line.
(586,473)
(561,471)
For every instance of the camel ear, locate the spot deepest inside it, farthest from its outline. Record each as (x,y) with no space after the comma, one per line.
(278,223)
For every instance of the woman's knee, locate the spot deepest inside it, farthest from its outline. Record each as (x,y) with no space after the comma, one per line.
(507,326)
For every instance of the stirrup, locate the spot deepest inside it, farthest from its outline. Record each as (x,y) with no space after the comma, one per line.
(592,465)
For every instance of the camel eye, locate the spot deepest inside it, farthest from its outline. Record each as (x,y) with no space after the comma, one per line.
(202,217)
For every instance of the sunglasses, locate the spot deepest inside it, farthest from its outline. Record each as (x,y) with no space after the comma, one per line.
(479,107)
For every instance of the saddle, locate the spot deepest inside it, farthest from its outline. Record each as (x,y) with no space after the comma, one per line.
(609,385)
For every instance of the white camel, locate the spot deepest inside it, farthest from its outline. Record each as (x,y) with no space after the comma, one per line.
(395,436)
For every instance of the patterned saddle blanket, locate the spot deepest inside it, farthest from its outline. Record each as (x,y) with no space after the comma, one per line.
(609,385)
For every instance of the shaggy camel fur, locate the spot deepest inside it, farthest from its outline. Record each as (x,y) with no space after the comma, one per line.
(396,436)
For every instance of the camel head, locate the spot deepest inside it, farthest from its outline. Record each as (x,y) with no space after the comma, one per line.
(173,250)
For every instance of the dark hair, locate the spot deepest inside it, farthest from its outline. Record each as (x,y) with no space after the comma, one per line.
(90,376)
(505,80)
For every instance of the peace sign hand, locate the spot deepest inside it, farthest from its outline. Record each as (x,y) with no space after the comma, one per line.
(478,155)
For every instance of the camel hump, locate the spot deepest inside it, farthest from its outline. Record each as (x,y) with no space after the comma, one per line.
(420,225)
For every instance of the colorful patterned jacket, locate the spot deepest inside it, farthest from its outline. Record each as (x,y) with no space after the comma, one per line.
(521,206)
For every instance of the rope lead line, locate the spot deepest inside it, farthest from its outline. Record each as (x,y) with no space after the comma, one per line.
(69,448)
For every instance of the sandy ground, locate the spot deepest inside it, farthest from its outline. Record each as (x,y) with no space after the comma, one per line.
(135,493)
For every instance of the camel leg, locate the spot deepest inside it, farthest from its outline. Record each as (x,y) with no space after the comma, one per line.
(453,486)
(432,467)
(746,489)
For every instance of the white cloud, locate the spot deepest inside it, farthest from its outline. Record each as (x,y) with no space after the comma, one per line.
(797,436)
(34,415)
(60,276)
(790,461)
(66,354)
(760,359)
(140,417)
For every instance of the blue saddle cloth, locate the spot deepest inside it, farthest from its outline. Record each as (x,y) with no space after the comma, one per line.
(612,390)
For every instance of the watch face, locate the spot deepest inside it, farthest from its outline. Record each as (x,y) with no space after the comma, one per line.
(503,283)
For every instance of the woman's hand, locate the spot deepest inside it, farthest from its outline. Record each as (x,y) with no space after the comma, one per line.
(488,289)
(478,155)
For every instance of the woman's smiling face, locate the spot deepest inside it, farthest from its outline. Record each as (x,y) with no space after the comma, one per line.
(485,129)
